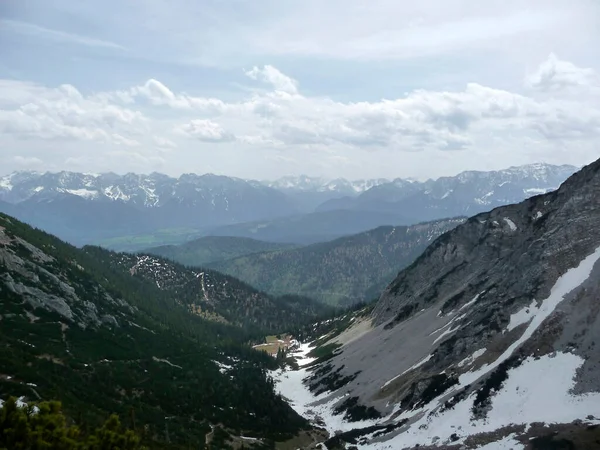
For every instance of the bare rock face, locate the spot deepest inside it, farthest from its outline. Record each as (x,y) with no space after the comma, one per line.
(34,276)
(494,304)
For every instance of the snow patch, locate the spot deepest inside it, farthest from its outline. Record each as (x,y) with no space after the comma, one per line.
(414,366)
(166,362)
(507,443)
(510,224)
(447,194)
(522,316)
(290,384)
(469,303)
(85,193)
(469,359)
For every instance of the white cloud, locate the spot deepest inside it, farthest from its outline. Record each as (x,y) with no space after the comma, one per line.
(275,78)
(204,130)
(27,161)
(284,124)
(555,74)
(163,142)
(32,111)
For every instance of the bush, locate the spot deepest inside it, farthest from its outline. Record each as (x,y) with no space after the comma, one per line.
(44,427)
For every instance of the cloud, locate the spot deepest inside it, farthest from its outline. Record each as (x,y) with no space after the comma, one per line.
(30,29)
(163,142)
(204,130)
(275,78)
(555,74)
(284,123)
(38,112)
(27,161)
(157,94)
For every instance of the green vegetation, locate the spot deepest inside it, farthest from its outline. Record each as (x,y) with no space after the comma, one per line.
(95,330)
(210,294)
(342,272)
(43,426)
(210,249)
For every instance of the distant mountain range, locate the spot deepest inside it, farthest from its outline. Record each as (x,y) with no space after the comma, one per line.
(91,208)
(466,194)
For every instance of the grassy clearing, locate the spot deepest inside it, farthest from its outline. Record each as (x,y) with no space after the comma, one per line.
(274,343)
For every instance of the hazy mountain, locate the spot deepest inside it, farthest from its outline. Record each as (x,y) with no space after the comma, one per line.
(489,336)
(345,271)
(116,210)
(210,249)
(467,193)
(84,208)
(311,228)
(136,335)
(310,192)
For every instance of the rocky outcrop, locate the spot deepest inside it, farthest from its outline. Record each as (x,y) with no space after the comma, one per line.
(34,276)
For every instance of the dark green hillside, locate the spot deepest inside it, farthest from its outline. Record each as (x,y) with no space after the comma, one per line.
(341,272)
(210,249)
(213,295)
(76,328)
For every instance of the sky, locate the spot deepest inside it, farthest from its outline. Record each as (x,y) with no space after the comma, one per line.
(267,88)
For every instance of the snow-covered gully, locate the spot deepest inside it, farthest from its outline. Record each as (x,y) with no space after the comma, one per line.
(539,390)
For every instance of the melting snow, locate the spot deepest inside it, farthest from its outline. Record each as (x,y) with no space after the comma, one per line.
(446,333)
(522,316)
(166,362)
(565,284)
(223,367)
(85,193)
(466,305)
(538,215)
(507,443)
(289,383)
(536,391)
(536,191)
(469,359)
(511,224)
(447,194)
(414,366)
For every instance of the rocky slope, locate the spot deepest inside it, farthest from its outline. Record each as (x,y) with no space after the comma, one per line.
(345,271)
(491,333)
